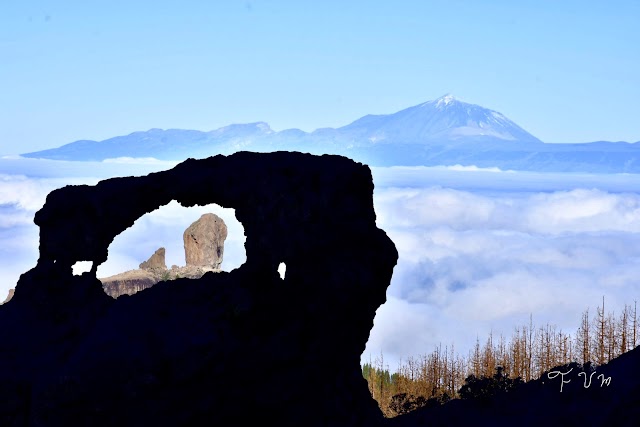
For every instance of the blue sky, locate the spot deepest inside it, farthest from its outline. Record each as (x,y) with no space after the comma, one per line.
(565,71)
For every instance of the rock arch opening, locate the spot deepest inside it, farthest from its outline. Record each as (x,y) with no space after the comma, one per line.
(173,242)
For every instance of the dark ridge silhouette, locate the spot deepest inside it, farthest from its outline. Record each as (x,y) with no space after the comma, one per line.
(568,395)
(226,349)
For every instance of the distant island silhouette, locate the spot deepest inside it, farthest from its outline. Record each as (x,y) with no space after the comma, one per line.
(445,131)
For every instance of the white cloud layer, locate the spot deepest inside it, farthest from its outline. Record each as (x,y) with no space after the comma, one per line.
(577,210)
(140,161)
(475,262)
(21,196)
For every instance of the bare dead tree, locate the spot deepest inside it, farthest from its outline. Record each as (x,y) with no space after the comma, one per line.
(583,338)
(634,341)
(623,330)
(530,349)
(599,343)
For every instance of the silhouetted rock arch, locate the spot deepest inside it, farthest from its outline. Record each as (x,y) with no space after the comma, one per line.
(222,348)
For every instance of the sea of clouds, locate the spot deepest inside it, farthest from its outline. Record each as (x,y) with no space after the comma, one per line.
(479,250)
(482,250)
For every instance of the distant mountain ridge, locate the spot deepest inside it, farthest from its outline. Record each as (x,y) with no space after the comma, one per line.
(444,131)
(445,118)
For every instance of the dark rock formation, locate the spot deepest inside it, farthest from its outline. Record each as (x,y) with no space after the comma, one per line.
(227,349)
(155,262)
(133,281)
(187,271)
(130,282)
(204,241)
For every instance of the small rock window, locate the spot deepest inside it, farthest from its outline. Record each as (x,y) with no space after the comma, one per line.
(81,267)
(282,267)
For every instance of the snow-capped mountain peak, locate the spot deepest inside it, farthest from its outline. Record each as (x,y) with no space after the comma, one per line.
(445,100)
(442,102)
(443,119)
